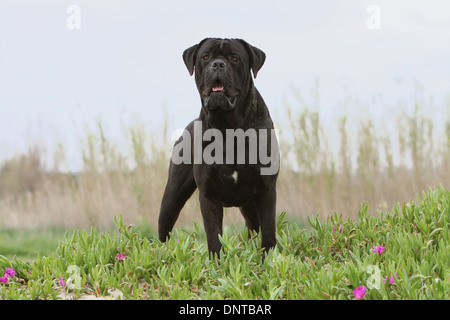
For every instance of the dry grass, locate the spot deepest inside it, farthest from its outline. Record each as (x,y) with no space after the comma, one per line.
(321,172)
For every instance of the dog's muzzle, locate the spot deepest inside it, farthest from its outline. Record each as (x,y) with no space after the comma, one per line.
(219,100)
(218,93)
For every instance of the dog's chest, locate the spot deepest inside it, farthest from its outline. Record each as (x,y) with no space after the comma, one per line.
(230,185)
(229,178)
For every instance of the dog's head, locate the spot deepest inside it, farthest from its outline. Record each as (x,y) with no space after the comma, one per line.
(222,70)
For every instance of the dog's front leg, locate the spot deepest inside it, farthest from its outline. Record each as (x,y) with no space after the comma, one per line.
(212,213)
(266,208)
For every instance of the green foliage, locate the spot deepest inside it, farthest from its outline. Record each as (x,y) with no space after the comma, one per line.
(327,262)
(25,242)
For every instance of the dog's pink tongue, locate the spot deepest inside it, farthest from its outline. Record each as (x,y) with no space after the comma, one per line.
(218,88)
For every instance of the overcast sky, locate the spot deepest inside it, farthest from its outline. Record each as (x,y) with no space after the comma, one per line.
(121,60)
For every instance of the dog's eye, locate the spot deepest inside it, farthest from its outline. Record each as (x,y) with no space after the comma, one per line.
(205,57)
(235,59)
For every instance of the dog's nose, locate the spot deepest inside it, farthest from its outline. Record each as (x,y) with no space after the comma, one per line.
(218,65)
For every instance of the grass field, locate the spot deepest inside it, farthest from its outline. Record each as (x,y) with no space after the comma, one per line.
(403,253)
(24,244)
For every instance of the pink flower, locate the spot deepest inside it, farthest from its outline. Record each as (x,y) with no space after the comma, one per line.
(378,249)
(340,229)
(62,283)
(10,272)
(359,292)
(391,279)
(120,256)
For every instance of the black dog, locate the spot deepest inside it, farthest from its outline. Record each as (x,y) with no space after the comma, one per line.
(227,174)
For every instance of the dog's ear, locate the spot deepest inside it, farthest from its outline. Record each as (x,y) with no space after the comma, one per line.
(189,56)
(257,57)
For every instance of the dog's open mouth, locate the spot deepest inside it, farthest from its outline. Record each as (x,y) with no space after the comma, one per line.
(218,88)
(218,98)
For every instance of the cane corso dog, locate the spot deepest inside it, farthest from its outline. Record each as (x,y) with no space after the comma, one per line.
(230,153)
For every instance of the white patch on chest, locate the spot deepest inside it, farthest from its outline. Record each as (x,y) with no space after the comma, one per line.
(235,176)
